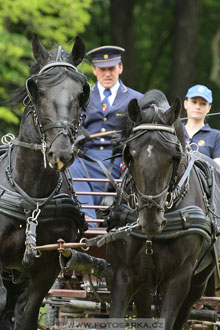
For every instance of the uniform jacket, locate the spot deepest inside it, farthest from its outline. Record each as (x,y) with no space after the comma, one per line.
(98,120)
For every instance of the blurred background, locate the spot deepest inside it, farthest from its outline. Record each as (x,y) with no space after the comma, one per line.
(170,44)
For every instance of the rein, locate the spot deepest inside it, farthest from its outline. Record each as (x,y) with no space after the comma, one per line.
(120,192)
(174,195)
(33,146)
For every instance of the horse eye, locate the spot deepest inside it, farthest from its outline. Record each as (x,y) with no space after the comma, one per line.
(133,153)
(74,121)
(40,93)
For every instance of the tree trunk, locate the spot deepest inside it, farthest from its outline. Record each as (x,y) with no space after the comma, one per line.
(184,47)
(122,33)
(214,75)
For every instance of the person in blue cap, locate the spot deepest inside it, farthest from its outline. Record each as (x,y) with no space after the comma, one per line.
(198,103)
(108,102)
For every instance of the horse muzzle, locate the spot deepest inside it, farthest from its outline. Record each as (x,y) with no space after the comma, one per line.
(151,222)
(60,158)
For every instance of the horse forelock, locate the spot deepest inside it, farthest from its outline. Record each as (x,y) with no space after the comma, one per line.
(156,97)
(63,57)
(148,103)
(51,77)
(158,116)
(57,74)
(153,105)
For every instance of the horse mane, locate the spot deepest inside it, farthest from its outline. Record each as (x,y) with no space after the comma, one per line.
(19,94)
(152,98)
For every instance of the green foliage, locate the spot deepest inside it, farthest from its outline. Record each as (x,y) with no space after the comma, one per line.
(60,21)
(209,25)
(8,115)
(153,25)
(85,68)
(56,22)
(53,20)
(154,35)
(154,20)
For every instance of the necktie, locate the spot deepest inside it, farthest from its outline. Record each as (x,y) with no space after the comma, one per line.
(105,102)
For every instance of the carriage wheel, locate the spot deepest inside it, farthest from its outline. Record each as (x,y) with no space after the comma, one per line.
(52,312)
(51,317)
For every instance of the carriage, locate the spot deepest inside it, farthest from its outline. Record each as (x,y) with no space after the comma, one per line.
(77,297)
(155,268)
(82,297)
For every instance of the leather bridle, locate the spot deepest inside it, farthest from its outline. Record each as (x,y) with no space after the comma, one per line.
(149,201)
(67,128)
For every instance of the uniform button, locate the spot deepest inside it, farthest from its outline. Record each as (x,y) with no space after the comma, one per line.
(102,139)
(101,148)
(104,118)
(103,129)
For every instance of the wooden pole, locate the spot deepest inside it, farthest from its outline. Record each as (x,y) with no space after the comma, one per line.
(56,246)
(103,134)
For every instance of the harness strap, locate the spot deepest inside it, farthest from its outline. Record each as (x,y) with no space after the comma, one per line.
(33,146)
(186,174)
(153,127)
(21,191)
(150,267)
(113,235)
(118,189)
(53,64)
(59,124)
(176,193)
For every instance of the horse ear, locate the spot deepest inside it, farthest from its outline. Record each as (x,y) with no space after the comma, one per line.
(78,51)
(134,111)
(173,113)
(40,53)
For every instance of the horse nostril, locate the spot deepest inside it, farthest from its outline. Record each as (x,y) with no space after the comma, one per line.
(164,222)
(50,155)
(66,158)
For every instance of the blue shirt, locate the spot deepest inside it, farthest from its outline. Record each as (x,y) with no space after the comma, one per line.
(207,140)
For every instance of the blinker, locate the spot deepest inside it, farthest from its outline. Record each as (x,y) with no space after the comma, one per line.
(125,154)
(30,86)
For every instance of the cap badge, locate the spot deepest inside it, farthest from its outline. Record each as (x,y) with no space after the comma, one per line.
(106,56)
(201,89)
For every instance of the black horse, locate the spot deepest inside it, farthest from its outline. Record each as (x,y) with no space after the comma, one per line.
(37,201)
(172,256)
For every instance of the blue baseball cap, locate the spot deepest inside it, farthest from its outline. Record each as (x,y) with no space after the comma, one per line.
(106,56)
(200,90)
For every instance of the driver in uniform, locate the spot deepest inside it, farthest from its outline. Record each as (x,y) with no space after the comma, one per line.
(108,102)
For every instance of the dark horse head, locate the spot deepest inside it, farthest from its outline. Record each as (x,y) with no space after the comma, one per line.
(55,93)
(153,151)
